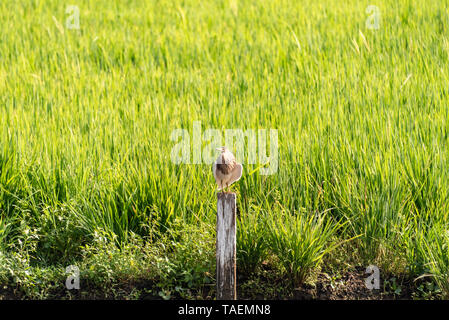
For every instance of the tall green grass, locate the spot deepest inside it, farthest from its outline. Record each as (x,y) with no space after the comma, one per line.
(86,117)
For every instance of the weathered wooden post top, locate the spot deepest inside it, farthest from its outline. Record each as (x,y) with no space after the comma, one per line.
(226,246)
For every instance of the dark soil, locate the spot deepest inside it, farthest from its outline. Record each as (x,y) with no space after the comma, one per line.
(348,286)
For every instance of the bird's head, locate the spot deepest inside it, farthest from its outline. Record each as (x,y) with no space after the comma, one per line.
(222,149)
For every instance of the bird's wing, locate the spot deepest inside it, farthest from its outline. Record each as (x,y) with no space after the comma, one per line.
(236,174)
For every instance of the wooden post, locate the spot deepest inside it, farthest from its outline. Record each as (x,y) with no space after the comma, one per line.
(226,246)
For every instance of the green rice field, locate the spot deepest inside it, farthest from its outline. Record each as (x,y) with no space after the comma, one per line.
(359,99)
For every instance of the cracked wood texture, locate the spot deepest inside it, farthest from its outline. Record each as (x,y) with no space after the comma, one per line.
(226,246)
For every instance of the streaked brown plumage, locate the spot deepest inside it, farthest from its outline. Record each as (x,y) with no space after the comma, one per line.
(226,165)
(226,170)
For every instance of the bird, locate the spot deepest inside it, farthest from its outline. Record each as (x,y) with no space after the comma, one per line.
(225,169)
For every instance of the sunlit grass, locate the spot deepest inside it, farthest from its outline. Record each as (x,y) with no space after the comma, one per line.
(86,117)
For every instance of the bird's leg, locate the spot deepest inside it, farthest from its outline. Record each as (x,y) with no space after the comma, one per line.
(227,187)
(221,184)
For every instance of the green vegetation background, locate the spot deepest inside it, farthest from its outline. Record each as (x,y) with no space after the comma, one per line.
(86,117)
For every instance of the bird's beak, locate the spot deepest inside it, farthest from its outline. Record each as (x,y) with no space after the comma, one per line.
(219,149)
